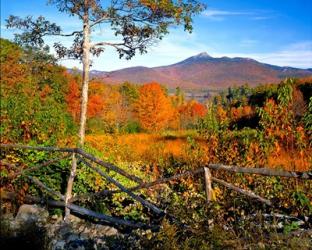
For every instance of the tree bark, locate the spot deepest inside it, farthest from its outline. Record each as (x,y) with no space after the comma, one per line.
(85,74)
(70,184)
(208,186)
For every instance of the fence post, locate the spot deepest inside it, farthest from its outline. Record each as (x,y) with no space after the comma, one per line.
(70,185)
(208,186)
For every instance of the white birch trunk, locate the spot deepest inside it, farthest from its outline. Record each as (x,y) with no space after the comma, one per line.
(85,75)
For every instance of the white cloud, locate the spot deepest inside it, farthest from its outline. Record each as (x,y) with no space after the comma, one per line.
(215,14)
(297,55)
(303,45)
(220,15)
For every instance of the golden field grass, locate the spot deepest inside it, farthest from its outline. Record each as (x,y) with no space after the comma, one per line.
(152,149)
(143,146)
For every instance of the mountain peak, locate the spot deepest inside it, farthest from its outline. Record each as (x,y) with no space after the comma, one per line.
(202,55)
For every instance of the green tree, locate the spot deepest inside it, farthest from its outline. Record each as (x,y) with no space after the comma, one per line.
(179,97)
(32,105)
(129,92)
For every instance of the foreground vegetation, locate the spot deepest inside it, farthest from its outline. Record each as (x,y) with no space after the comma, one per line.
(152,135)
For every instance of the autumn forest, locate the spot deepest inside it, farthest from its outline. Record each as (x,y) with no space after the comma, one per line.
(153,131)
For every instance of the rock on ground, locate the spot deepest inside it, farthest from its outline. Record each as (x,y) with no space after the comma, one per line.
(33,227)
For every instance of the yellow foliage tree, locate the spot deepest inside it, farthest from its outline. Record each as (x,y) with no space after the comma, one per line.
(113,110)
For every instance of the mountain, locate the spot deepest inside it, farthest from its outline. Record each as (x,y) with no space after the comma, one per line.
(205,71)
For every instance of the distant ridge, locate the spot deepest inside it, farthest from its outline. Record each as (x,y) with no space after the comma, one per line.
(205,71)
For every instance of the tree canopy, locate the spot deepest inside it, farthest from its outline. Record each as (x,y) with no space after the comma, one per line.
(136,23)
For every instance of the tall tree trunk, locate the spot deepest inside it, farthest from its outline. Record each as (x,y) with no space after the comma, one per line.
(85,75)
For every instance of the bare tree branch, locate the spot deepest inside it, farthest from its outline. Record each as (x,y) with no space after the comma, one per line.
(107,44)
(71,34)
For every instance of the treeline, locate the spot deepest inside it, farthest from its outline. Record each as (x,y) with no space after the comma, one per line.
(269,125)
(41,101)
(133,108)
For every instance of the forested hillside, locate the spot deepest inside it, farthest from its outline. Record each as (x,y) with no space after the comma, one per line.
(204,71)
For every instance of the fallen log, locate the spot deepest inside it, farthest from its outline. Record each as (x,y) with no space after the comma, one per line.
(261,171)
(81,211)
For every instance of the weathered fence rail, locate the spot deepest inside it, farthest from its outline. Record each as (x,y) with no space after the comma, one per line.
(79,156)
(235,169)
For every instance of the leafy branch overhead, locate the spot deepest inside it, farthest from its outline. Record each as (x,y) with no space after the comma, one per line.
(136,23)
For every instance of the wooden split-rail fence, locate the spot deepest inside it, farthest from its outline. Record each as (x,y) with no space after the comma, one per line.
(78,156)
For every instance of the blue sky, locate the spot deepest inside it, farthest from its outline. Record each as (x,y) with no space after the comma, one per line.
(271,31)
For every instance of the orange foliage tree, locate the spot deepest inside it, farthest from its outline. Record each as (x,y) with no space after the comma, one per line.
(95,105)
(73,97)
(12,71)
(191,112)
(243,111)
(114,113)
(153,108)
(96,100)
(105,103)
